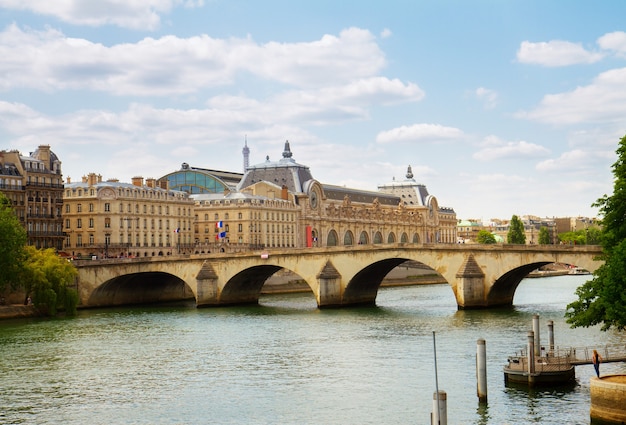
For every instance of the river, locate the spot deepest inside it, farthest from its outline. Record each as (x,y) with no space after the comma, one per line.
(286,362)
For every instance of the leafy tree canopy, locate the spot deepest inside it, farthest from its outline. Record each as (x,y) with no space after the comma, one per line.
(602,300)
(516,231)
(544,236)
(48,278)
(485,237)
(12,243)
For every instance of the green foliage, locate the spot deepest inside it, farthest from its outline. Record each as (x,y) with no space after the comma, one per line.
(544,236)
(613,208)
(602,300)
(573,238)
(485,237)
(47,277)
(12,242)
(516,231)
(591,236)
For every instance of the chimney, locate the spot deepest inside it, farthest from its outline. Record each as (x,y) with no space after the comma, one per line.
(151,182)
(92,179)
(44,155)
(285,193)
(69,180)
(137,181)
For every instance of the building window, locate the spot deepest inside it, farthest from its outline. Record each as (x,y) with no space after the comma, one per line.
(67,208)
(107,207)
(79,208)
(91,223)
(79,223)
(90,207)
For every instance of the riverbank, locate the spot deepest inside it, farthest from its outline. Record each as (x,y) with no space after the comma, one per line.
(17,311)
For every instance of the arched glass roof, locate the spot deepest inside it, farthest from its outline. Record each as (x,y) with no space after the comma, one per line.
(195,182)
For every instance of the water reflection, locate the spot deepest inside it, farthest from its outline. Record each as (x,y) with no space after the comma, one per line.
(284,361)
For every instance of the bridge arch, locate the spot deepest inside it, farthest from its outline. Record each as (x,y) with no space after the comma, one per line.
(503,289)
(141,288)
(245,286)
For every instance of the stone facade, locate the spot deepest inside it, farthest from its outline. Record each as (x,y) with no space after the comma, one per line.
(113,219)
(278,204)
(34,185)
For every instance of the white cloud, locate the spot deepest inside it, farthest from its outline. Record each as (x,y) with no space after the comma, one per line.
(578,161)
(133,14)
(495,149)
(48,60)
(487,96)
(604,100)
(615,41)
(419,132)
(556,53)
(386,33)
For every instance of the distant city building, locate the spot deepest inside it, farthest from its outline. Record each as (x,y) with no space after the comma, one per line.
(280,204)
(112,219)
(34,185)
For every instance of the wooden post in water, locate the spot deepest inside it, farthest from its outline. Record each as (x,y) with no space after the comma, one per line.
(439,416)
(481,370)
(551,336)
(531,352)
(536,331)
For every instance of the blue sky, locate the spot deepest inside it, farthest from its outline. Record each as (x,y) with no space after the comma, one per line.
(500,107)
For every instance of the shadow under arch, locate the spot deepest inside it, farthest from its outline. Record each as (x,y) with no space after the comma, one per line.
(140,288)
(245,287)
(363,287)
(503,289)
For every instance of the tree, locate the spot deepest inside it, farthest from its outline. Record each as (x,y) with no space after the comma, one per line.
(12,243)
(516,231)
(544,236)
(573,238)
(602,300)
(47,278)
(485,237)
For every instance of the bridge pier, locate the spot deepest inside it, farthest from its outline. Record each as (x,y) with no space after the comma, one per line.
(207,287)
(470,285)
(329,287)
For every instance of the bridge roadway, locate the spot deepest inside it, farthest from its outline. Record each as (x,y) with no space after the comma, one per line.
(481,276)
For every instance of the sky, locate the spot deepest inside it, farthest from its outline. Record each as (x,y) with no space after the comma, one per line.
(500,107)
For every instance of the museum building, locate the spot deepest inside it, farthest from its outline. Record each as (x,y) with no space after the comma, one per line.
(279,204)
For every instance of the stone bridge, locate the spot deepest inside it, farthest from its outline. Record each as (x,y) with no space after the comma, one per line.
(481,276)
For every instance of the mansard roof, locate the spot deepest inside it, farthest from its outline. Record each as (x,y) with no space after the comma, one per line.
(284,172)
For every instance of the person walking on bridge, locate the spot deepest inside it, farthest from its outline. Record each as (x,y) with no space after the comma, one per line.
(596,358)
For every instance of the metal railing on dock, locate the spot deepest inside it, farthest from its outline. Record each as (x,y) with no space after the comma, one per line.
(560,359)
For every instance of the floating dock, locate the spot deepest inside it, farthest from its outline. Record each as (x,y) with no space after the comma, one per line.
(536,365)
(557,366)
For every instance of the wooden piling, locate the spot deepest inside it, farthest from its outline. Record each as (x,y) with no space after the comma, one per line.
(481,370)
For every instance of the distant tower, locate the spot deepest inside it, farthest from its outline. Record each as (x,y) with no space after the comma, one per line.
(246,155)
